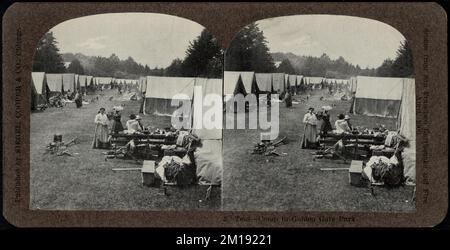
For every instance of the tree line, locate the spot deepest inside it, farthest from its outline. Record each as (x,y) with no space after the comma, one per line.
(204,58)
(249,52)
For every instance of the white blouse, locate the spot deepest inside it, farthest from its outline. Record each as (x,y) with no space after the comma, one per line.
(310,119)
(101,119)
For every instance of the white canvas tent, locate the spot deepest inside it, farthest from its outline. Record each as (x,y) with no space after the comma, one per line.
(82,80)
(378,96)
(249,81)
(278,83)
(69,83)
(243,82)
(352,82)
(208,86)
(286,81)
(160,92)
(77,82)
(54,83)
(104,80)
(208,160)
(407,128)
(292,81)
(264,82)
(89,81)
(300,80)
(315,82)
(233,84)
(39,89)
(142,84)
(208,157)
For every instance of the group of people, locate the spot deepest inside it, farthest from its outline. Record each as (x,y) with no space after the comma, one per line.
(311,130)
(102,120)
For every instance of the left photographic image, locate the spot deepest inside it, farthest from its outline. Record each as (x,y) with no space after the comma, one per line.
(123,115)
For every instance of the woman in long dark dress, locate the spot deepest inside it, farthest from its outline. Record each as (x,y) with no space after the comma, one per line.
(117,123)
(326,124)
(78,99)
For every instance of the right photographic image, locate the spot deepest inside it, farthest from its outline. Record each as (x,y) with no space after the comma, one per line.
(319,115)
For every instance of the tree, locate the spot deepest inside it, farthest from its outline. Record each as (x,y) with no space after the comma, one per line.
(202,56)
(175,68)
(249,52)
(385,70)
(75,67)
(47,58)
(403,65)
(286,67)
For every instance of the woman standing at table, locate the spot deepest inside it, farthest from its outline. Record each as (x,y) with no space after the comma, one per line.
(310,131)
(101,130)
(117,123)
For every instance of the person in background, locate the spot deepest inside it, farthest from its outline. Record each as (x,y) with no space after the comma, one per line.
(326,124)
(133,125)
(310,131)
(101,130)
(288,99)
(117,123)
(342,125)
(78,99)
(139,121)
(347,119)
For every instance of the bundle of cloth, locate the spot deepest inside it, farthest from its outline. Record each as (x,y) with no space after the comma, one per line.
(383,170)
(176,170)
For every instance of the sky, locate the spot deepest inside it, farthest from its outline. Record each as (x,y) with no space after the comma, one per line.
(152,39)
(361,41)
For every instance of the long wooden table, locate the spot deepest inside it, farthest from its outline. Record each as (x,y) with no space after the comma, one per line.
(158,139)
(357,145)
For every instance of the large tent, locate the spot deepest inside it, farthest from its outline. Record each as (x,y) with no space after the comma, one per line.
(89,81)
(249,81)
(233,84)
(55,83)
(264,82)
(278,82)
(315,82)
(69,83)
(352,83)
(292,81)
(233,80)
(208,86)
(77,82)
(378,96)
(160,93)
(82,80)
(286,81)
(39,90)
(142,84)
(300,81)
(104,80)
(208,157)
(407,128)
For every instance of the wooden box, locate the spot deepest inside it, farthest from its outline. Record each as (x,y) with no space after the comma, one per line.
(148,173)
(355,173)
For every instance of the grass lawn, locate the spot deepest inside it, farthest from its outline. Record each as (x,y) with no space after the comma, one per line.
(295,182)
(86,181)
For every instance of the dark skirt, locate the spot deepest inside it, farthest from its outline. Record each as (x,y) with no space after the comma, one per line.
(116,126)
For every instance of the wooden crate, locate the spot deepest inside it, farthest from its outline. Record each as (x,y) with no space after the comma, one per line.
(148,173)
(355,173)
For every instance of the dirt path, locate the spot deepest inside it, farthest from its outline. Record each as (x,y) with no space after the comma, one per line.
(295,181)
(86,181)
